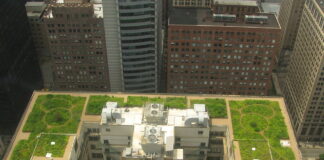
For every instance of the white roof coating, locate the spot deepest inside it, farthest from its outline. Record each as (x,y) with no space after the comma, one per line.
(178,117)
(134,116)
(148,136)
(98,11)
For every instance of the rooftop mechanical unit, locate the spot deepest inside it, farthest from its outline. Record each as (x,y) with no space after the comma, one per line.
(152,142)
(224,17)
(256,19)
(155,114)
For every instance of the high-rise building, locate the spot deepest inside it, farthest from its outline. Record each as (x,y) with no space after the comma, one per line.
(289,19)
(304,85)
(69,38)
(133,34)
(19,71)
(229,49)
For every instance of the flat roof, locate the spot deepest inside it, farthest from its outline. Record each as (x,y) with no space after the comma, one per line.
(20,135)
(203,17)
(269,7)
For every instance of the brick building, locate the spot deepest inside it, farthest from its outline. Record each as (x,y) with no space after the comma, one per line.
(70,42)
(230,49)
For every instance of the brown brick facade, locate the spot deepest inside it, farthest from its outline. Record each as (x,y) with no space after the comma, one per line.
(221,59)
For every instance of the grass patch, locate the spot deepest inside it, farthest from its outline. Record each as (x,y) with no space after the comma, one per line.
(216,107)
(96,103)
(260,119)
(254,122)
(44,145)
(39,121)
(171,102)
(261,151)
(176,102)
(136,101)
(23,150)
(57,117)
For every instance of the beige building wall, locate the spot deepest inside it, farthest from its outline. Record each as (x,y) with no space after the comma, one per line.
(304,89)
(289,18)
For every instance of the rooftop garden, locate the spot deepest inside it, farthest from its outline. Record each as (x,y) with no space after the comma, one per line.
(171,102)
(216,107)
(50,114)
(96,103)
(45,145)
(257,123)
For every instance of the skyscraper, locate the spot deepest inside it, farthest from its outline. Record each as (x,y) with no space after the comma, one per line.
(230,48)
(304,87)
(19,71)
(132,30)
(289,19)
(69,37)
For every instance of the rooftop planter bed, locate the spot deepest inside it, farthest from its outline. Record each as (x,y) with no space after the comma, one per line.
(170,102)
(216,107)
(96,103)
(260,121)
(50,114)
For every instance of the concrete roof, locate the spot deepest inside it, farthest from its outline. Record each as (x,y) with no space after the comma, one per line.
(203,17)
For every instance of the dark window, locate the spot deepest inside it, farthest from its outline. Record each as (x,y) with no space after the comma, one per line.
(97,155)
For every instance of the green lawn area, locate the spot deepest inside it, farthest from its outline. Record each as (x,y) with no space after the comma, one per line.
(216,107)
(44,145)
(171,102)
(261,149)
(50,114)
(96,103)
(136,101)
(176,102)
(261,120)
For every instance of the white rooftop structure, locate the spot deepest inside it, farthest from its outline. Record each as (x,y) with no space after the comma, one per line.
(153,128)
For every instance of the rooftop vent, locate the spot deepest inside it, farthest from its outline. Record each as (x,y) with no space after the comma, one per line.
(256,19)
(224,17)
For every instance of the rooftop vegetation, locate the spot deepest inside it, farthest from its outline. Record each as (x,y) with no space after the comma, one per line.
(44,145)
(50,114)
(176,102)
(216,107)
(260,120)
(171,102)
(96,103)
(136,101)
(254,149)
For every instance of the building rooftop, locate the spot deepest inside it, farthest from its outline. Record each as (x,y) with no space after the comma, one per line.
(83,106)
(204,17)
(35,9)
(269,7)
